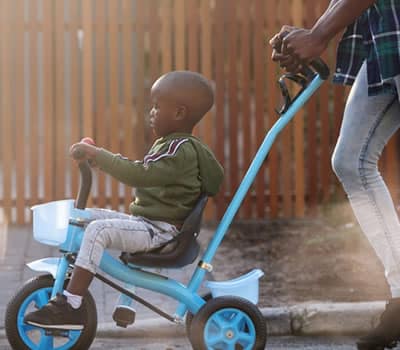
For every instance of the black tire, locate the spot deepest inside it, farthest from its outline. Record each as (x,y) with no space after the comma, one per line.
(189,315)
(30,287)
(252,322)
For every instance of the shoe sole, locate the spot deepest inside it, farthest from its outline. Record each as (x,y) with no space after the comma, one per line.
(64,327)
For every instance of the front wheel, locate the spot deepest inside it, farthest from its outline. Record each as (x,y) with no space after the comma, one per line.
(228,323)
(34,294)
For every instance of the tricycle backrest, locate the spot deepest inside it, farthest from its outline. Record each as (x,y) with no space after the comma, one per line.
(180,251)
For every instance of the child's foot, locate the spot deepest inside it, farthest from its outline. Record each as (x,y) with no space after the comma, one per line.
(387,333)
(57,314)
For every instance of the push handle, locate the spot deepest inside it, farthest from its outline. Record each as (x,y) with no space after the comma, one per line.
(304,78)
(321,68)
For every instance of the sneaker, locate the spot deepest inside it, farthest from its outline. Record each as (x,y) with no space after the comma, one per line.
(57,314)
(387,333)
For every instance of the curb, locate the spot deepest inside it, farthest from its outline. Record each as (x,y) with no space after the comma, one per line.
(301,319)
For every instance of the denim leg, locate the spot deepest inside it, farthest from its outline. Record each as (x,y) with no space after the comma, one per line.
(368,124)
(120,231)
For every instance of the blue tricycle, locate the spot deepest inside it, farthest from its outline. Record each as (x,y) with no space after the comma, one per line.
(225,319)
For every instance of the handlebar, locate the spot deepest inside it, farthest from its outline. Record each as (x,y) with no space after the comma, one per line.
(85,185)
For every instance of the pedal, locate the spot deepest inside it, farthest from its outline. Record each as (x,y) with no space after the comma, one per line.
(124,315)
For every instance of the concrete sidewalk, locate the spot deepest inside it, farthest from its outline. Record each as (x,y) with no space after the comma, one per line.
(17,247)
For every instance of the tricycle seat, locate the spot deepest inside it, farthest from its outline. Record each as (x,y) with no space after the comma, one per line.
(178,252)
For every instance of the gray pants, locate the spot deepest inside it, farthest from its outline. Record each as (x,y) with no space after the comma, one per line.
(114,230)
(368,124)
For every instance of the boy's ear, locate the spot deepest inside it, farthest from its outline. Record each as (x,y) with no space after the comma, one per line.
(181,112)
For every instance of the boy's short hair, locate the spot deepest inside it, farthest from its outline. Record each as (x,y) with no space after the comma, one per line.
(193,90)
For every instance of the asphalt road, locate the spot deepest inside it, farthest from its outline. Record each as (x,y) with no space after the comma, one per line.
(274,343)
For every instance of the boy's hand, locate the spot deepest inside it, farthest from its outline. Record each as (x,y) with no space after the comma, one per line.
(82,151)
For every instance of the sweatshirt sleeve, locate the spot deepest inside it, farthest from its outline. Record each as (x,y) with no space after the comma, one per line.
(157,173)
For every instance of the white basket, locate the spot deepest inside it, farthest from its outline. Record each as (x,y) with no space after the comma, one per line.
(50,221)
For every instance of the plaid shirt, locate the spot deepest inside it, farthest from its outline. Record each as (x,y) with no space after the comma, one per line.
(374,37)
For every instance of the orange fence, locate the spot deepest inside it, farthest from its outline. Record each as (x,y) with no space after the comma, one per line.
(73,68)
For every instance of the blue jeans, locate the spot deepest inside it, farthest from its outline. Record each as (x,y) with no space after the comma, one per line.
(368,124)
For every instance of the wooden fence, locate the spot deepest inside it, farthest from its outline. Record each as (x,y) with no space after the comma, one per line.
(73,68)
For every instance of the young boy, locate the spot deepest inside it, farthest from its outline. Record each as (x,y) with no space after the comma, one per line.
(168,182)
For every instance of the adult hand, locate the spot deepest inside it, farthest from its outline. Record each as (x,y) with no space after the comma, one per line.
(304,44)
(286,60)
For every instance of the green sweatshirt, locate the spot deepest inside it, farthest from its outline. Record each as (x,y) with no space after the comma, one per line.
(169,179)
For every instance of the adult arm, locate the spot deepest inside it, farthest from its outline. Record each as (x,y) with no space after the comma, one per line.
(304,45)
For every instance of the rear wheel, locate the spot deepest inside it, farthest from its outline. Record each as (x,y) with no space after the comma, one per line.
(189,315)
(34,294)
(228,323)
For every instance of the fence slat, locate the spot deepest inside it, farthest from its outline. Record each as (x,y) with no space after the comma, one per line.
(259,79)
(6,105)
(128,90)
(166,41)
(33,107)
(61,156)
(272,103)
(311,135)
(140,78)
(233,100)
(102,113)
(245,38)
(114,114)
(20,110)
(286,136)
(220,95)
(180,37)
(325,162)
(192,15)
(75,87)
(154,24)
(48,100)
(299,186)
(206,70)
(87,67)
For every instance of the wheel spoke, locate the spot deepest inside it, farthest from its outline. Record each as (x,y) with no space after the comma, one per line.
(72,335)
(236,321)
(222,320)
(41,298)
(214,339)
(245,339)
(46,342)
(215,324)
(26,327)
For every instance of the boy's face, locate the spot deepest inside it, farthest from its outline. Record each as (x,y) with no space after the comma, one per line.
(164,114)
